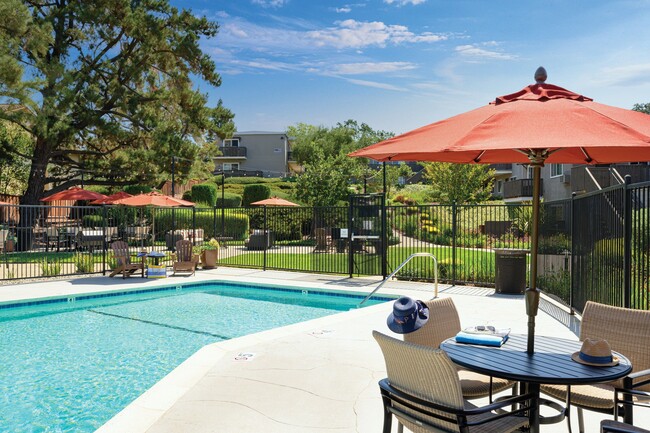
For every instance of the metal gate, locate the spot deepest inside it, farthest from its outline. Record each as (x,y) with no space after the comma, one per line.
(367,235)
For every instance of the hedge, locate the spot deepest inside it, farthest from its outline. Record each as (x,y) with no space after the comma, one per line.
(205,193)
(137,189)
(236,225)
(253,193)
(229,199)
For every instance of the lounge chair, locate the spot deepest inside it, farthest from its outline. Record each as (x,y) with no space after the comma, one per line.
(124,265)
(444,323)
(324,242)
(184,258)
(422,390)
(627,332)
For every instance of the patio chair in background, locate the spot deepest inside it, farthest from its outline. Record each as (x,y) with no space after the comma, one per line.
(627,331)
(444,323)
(124,265)
(422,390)
(184,258)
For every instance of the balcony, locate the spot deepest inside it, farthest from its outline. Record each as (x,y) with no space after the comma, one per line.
(521,189)
(501,169)
(587,178)
(232,152)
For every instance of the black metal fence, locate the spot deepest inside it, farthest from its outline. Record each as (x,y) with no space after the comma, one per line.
(593,247)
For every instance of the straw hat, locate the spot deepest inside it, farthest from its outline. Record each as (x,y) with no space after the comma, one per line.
(596,353)
(407,316)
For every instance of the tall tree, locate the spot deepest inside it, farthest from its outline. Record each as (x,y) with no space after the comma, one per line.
(107,90)
(325,181)
(460,183)
(14,164)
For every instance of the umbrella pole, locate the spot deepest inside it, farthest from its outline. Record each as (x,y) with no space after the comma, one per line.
(532,293)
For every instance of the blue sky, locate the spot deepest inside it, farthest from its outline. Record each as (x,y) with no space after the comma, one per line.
(400,64)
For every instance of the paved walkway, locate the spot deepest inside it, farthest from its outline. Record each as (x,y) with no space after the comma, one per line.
(312,377)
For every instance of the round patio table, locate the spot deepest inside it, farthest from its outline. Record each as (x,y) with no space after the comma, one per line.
(550,364)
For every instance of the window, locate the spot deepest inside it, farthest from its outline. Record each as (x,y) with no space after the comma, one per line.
(230,167)
(231,142)
(529,172)
(557,170)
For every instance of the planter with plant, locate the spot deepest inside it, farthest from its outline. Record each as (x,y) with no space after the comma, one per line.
(209,252)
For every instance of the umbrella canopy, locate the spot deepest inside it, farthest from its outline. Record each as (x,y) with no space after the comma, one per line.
(153,199)
(112,198)
(541,123)
(274,201)
(73,194)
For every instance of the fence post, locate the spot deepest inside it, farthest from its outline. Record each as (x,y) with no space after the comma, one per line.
(454,233)
(267,236)
(384,238)
(572,209)
(105,241)
(350,241)
(193,225)
(627,243)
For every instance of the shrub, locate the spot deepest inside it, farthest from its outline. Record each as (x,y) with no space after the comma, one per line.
(92,221)
(187,195)
(205,193)
(609,252)
(84,263)
(50,269)
(136,189)
(253,193)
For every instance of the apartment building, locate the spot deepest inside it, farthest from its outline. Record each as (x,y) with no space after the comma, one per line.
(256,153)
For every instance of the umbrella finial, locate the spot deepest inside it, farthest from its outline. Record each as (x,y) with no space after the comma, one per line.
(540,75)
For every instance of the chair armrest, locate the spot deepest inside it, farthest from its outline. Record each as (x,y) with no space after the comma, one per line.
(430,408)
(632,381)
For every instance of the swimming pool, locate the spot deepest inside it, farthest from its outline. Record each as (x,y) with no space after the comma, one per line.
(70,364)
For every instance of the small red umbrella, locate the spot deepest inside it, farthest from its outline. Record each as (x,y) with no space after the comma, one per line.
(73,194)
(112,198)
(274,201)
(541,123)
(153,199)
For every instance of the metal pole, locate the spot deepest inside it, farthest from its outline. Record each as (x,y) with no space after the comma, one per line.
(223,205)
(627,242)
(532,292)
(384,170)
(173,172)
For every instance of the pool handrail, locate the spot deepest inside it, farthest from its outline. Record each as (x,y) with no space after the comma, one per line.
(408,259)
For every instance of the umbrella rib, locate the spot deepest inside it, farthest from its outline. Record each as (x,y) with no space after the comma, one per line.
(584,152)
(478,158)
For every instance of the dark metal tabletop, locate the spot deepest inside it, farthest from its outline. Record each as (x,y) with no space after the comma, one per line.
(550,364)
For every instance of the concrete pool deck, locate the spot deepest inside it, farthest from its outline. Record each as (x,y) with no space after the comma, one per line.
(315,376)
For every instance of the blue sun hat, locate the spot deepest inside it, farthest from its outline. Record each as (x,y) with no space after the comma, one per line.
(407,316)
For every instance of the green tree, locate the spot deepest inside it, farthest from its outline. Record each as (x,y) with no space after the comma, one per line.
(16,148)
(343,138)
(462,183)
(644,108)
(325,180)
(106,89)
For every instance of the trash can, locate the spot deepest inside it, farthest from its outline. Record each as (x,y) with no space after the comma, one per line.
(510,270)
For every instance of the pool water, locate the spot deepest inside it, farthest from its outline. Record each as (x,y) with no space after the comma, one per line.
(70,367)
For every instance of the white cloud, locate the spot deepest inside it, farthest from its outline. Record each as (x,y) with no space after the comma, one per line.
(343,10)
(369,68)
(630,75)
(376,85)
(404,2)
(357,34)
(270,3)
(476,52)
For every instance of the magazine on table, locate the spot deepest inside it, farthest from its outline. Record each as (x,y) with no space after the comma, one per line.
(483,335)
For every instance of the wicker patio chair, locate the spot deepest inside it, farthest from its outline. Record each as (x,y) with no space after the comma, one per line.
(184,258)
(422,390)
(444,323)
(124,265)
(627,331)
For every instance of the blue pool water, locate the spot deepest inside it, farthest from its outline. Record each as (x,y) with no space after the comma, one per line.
(71,366)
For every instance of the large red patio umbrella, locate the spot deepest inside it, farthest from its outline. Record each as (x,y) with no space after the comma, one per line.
(541,123)
(274,201)
(112,198)
(73,194)
(153,199)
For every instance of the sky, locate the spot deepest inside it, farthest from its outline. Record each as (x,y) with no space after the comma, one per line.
(400,64)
